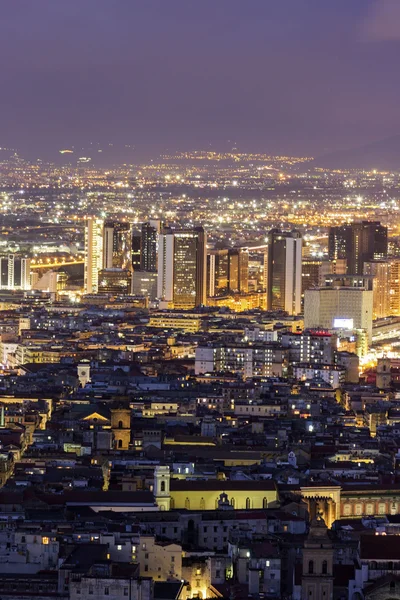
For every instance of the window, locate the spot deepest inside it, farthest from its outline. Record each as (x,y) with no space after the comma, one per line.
(172,558)
(119,443)
(120,425)
(91,590)
(126,591)
(247,502)
(78,590)
(163,486)
(106,591)
(146,567)
(218,573)
(311,567)
(324,567)
(146,555)
(265,503)
(187,504)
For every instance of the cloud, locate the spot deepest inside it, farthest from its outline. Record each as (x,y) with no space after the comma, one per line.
(382,22)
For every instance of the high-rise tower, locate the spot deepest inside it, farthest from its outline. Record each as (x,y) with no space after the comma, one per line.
(117,248)
(93,254)
(284,271)
(182,267)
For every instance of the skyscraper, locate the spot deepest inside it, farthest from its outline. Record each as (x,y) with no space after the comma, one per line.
(359,243)
(380,270)
(149,245)
(182,263)
(284,271)
(217,272)
(93,254)
(117,248)
(14,272)
(136,250)
(238,270)
(395,286)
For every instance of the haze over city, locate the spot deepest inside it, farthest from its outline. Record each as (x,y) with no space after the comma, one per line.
(290,77)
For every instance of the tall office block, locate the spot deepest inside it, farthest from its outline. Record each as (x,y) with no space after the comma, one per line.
(136,250)
(149,245)
(117,245)
(217,272)
(310,273)
(380,270)
(284,271)
(93,254)
(394,286)
(14,272)
(238,270)
(359,243)
(182,263)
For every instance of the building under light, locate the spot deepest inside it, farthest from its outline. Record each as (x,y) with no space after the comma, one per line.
(93,254)
(284,271)
(182,267)
(117,245)
(14,272)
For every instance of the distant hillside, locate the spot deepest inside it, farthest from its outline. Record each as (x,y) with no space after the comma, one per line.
(383,155)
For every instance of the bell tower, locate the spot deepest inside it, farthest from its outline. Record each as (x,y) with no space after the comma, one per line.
(121,427)
(317,579)
(83,373)
(162,477)
(383,374)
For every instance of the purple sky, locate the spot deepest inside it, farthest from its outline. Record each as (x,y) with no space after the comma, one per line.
(295,76)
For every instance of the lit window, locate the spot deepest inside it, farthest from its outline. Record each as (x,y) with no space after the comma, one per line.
(45,541)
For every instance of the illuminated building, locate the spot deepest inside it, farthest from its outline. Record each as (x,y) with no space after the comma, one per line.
(344,303)
(380,271)
(395,286)
(358,243)
(246,359)
(149,245)
(14,273)
(136,250)
(332,267)
(145,284)
(238,270)
(93,254)
(117,246)
(284,271)
(310,273)
(115,281)
(217,272)
(182,266)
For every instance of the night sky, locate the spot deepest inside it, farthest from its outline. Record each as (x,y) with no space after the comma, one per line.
(293,76)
